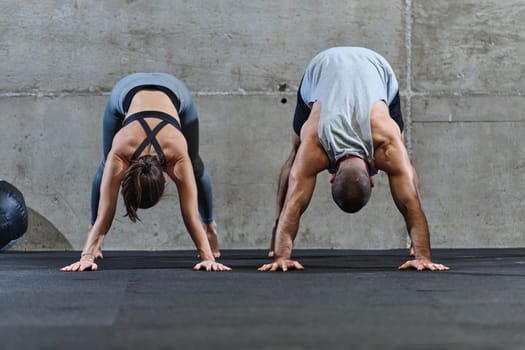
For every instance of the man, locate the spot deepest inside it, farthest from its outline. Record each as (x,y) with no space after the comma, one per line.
(348,120)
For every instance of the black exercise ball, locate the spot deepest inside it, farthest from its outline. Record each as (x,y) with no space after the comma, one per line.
(13,213)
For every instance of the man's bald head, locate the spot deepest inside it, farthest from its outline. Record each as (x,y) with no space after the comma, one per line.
(351,186)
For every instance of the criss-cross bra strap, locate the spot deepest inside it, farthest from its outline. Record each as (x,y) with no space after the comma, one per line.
(151,134)
(151,138)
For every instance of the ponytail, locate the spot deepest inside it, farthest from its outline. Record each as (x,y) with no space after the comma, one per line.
(142,186)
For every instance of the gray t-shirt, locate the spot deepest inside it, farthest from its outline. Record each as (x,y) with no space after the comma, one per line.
(347,81)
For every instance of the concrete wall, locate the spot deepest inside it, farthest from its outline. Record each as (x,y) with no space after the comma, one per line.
(460,65)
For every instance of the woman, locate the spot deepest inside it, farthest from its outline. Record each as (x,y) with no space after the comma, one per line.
(150,127)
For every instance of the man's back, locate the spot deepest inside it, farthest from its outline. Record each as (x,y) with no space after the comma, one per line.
(347,81)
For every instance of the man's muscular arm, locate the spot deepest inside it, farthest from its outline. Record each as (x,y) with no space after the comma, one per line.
(309,161)
(392,157)
(282,187)
(301,184)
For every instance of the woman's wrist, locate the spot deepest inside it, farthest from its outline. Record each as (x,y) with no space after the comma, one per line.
(206,255)
(86,256)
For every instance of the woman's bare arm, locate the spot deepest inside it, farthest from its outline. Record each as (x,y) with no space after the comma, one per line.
(182,174)
(113,173)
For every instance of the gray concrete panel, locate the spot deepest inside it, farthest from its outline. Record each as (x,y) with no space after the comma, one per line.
(223,45)
(468,46)
(51,148)
(471,177)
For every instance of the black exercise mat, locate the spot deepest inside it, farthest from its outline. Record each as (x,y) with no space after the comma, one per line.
(345,299)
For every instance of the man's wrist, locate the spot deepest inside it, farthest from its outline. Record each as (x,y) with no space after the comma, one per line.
(283,253)
(422,256)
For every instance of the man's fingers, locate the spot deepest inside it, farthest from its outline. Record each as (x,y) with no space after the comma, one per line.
(281,265)
(423,265)
(406,265)
(265,267)
(297,265)
(442,267)
(438,267)
(275,267)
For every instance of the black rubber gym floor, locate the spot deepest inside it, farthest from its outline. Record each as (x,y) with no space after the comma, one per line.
(345,299)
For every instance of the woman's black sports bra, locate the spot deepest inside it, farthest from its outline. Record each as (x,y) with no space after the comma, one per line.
(151,134)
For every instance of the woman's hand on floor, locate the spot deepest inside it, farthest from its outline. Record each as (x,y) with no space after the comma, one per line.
(86,263)
(209,265)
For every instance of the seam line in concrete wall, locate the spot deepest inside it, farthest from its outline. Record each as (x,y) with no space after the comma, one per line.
(193,93)
(409,93)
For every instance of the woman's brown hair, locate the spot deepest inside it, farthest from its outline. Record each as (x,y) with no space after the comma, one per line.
(142,186)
